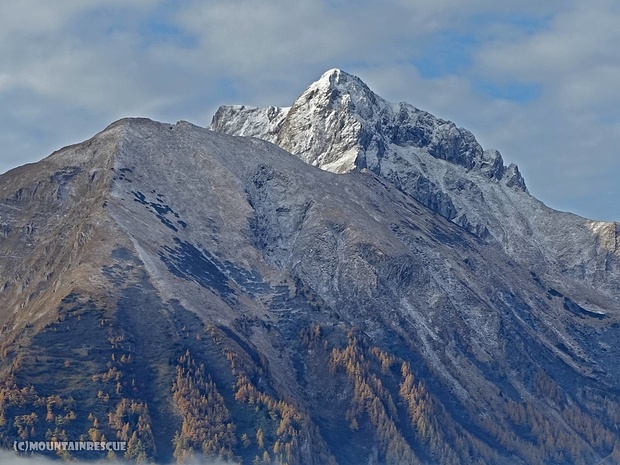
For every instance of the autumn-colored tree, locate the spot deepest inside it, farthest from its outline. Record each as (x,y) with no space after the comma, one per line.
(206,422)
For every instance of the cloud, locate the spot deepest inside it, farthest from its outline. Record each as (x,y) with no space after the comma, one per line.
(536,80)
(575,57)
(570,135)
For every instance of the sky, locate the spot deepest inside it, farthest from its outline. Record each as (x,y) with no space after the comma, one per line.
(539,81)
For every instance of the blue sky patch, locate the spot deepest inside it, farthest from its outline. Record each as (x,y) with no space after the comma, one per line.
(446,54)
(519,92)
(159,27)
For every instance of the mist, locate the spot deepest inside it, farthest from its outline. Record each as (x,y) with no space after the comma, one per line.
(11,458)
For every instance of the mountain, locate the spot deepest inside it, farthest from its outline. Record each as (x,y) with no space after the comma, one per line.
(190,291)
(340,125)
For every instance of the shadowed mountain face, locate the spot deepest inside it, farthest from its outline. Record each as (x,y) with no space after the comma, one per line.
(189,291)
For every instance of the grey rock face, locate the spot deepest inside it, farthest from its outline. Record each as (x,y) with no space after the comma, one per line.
(339,116)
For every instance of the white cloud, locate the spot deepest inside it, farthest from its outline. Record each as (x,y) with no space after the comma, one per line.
(575,60)
(568,137)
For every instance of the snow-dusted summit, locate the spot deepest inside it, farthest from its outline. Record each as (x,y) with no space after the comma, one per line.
(340,125)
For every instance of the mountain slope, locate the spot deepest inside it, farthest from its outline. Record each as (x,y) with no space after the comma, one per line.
(189,291)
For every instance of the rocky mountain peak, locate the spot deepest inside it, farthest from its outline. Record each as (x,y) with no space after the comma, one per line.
(339,124)
(337,90)
(336,77)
